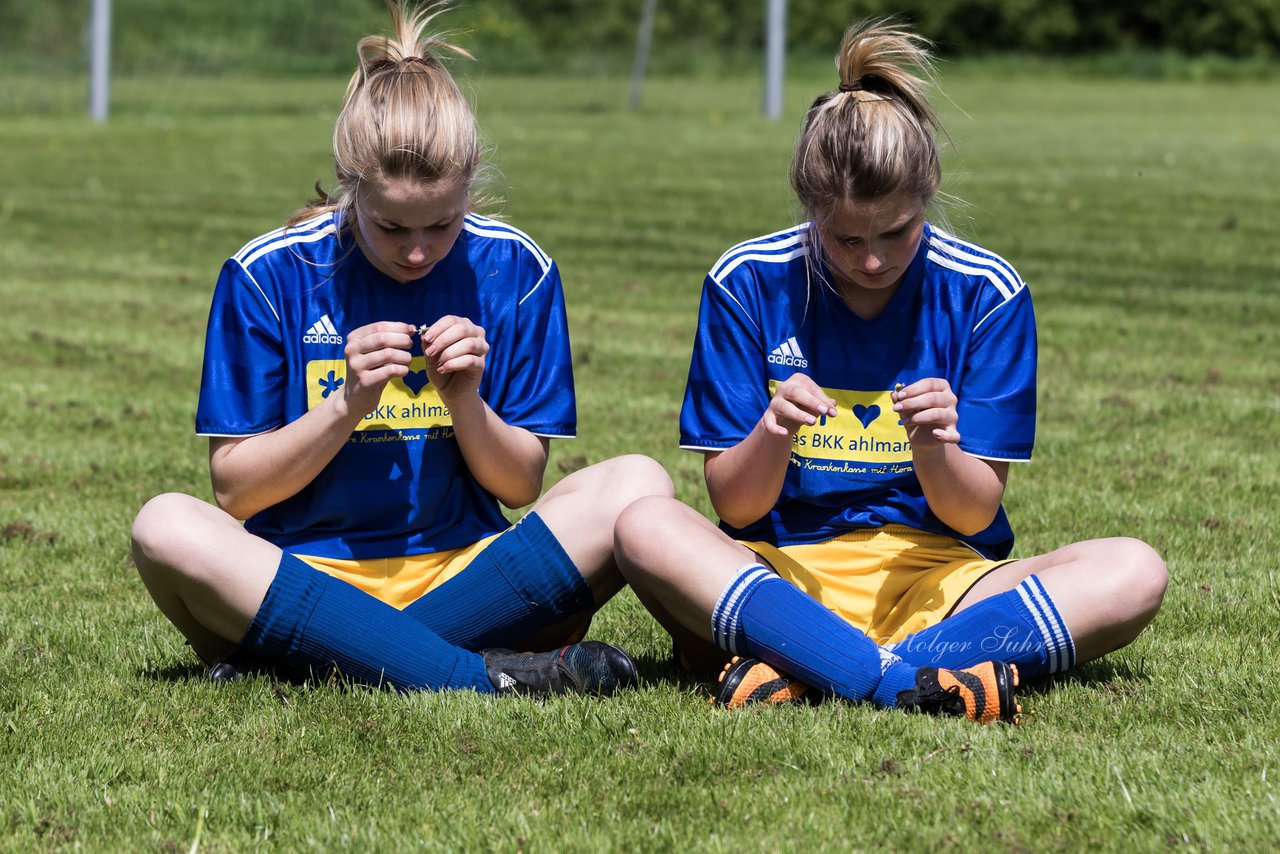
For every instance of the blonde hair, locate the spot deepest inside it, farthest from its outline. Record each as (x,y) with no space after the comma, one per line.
(403,116)
(874,136)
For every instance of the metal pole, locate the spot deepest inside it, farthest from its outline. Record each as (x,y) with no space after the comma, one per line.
(643,38)
(775,52)
(100,60)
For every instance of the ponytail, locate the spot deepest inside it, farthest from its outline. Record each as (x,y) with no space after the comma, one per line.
(874,135)
(403,116)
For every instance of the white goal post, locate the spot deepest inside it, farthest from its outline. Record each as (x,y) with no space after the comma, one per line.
(100,60)
(775,52)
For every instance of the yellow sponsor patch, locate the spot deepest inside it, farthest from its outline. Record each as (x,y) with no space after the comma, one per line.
(411,403)
(865,429)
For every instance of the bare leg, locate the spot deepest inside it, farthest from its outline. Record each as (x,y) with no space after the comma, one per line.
(582,510)
(1107,590)
(207,574)
(696,655)
(672,556)
(210,578)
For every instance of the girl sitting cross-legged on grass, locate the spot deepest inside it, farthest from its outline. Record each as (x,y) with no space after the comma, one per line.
(859,385)
(378,375)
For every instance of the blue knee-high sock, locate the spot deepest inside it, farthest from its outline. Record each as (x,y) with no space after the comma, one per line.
(522,582)
(315,622)
(762,615)
(1021,626)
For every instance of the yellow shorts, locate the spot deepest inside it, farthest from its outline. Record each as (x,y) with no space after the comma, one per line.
(401,581)
(889,582)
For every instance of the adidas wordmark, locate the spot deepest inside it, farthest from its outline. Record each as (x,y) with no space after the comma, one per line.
(322,332)
(788,353)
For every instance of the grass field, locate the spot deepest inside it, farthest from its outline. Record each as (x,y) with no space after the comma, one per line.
(1144,218)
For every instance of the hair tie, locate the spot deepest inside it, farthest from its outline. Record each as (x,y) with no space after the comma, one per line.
(868,83)
(396,66)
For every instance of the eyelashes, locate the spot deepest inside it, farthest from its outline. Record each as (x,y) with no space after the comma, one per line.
(400,229)
(891,235)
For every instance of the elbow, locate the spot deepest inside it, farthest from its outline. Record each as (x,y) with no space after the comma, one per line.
(736,517)
(236,509)
(969,530)
(229,492)
(735,521)
(516,500)
(232,502)
(971,523)
(517,495)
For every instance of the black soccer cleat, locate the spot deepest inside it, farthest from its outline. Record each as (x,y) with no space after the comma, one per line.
(240,664)
(982,693)
(591,667)
(237,665)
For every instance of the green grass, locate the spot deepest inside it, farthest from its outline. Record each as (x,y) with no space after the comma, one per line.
(1144,217)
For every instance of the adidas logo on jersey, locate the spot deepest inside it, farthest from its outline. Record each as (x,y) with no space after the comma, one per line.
(322,332)
(788,353)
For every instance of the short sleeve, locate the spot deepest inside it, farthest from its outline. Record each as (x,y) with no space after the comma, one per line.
(727,389)
(997,394)
(536,389)
(242,381)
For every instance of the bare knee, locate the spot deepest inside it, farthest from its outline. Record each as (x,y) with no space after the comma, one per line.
(644,516)
(637,524)
(634,476)
(1142,574)
(647,530)
(165,530)
(605,489)
(156,523)
(1123,598)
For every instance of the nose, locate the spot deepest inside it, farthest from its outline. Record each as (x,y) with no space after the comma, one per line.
(868,259)
(415,251)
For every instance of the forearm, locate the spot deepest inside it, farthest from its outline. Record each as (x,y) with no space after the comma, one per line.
(507,461)
(744,482)
(963,491)
(256,472)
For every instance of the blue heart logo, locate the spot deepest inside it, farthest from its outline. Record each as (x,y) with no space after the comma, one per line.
(866,414)
(416,381)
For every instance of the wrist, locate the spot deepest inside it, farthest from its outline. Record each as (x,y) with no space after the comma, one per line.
(460,404)
(927,448)
(343,412)
(770,438)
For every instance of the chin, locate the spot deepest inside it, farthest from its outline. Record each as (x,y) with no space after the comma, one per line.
(875,283)
(413,275)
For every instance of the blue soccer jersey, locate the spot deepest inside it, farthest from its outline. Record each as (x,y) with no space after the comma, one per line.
(277,328)
(768,311)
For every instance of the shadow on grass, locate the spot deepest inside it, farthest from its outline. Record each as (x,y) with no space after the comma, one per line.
(650,669)
(1113,675)
(173,673)
(190,670)
(663,670)
(1108,675)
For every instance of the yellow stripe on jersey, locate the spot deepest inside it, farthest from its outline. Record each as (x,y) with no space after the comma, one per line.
(865,429)
(407,404)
